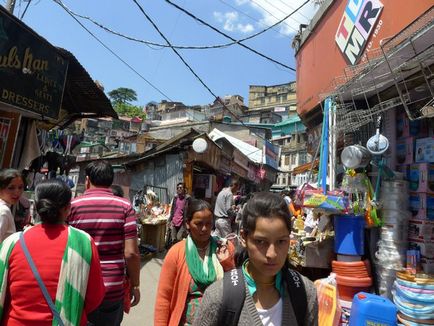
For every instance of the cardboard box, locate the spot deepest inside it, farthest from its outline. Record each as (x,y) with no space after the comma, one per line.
(404,150)
(427,265)
(424,150)
(404,169)
(421,206)
(407,128)
(426,247)
(421,229)
(421,177)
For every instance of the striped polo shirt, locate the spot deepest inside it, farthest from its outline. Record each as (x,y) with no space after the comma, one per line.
(110,220)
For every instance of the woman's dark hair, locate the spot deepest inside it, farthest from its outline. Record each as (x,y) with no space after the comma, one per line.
(265,205)
(7,175)
(100,173)
(196,205)
(51,196)
(117,190)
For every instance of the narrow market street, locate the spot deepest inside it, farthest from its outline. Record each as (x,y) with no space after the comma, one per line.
(143,313)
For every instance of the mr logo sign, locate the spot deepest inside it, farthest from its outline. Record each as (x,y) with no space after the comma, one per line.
(356,26)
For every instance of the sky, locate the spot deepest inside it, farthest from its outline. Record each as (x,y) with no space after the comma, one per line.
(226,71)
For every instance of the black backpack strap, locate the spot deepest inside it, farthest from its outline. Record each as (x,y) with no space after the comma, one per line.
(297,294)
(234,293)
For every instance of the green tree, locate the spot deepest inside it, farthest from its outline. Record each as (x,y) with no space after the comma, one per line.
(122,95)
(121,99)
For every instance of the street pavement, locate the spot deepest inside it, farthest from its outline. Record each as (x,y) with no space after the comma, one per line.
(143,313)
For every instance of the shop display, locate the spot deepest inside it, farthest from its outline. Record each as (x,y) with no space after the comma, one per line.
(425,150)
(371,309)
(413,296)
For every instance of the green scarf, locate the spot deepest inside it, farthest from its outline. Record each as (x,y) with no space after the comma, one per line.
(73,277)
(202,272)
(251,284)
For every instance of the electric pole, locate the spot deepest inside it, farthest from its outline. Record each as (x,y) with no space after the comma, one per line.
(10,6)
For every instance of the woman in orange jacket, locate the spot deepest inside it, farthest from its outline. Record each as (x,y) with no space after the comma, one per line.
(190,267)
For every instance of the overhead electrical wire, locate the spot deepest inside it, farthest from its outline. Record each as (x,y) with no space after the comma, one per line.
(271,14)
(191,69)
(292,8)
(231,38)
(112,52)
(25,9)
(181,47)
(251,17)
(278,8)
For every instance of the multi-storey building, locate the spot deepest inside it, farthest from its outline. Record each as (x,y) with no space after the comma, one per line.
(268,101)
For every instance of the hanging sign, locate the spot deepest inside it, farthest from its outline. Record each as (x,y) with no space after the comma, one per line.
(32,73)
(356,26)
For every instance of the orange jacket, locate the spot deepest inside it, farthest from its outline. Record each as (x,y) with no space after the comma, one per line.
(174,285)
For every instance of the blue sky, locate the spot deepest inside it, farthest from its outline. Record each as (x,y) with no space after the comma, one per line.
(226,71)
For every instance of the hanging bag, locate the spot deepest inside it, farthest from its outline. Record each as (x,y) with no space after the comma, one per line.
(55,312)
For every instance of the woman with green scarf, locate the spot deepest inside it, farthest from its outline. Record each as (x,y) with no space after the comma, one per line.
(190,267)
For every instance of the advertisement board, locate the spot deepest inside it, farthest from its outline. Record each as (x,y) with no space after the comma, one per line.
(32,73)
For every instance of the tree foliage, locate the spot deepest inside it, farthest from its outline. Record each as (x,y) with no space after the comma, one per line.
(122,95)
(121,99)
(125,109)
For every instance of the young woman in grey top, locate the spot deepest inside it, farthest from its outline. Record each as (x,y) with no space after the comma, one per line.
(265,235)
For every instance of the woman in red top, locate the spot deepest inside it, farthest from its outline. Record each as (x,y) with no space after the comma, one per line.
(47,243)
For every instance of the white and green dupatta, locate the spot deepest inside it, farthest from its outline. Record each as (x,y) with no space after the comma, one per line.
(73,277)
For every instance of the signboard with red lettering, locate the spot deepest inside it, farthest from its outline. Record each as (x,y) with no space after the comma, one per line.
(355,27)
(32,73)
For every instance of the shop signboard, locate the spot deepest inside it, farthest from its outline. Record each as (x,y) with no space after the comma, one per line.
(356,26)
(313,139)
(251,173)
(32,72)
(240,159)
(239,170)
(225,164)
(271,154)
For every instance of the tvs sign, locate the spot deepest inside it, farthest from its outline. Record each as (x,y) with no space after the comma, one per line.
(356,26)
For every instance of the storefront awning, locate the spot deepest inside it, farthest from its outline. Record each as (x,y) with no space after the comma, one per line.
(305,167)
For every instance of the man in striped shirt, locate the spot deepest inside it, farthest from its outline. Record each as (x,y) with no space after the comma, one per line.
(111,221)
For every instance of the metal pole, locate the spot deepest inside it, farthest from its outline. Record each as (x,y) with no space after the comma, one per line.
(10,6)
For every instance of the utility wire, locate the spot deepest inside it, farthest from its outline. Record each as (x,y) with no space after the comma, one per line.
(25,9)
(231,38)
(190,68)
(292,8)
(276,7)
(251,17)
(150,44)
(112,52)
(271,14)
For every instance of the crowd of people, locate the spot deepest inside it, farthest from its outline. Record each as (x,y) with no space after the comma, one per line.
(91,273)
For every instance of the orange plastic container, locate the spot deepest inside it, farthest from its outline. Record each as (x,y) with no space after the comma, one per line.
(349,286)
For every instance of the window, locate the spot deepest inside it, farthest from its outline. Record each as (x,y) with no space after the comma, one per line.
(286,159)
(262,100)
(293,159)
(303,157)
(284,181)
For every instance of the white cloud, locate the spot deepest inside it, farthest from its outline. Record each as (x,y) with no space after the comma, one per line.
(275,10)
(231,22)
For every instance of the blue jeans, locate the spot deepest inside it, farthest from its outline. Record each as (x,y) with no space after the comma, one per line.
(109,313)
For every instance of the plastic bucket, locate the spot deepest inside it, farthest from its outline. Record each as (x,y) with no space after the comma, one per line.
(349,234)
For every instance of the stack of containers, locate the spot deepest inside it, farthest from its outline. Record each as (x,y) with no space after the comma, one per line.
(414,298)
(352,274)
(415,158)
(393,244)
(421,224)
